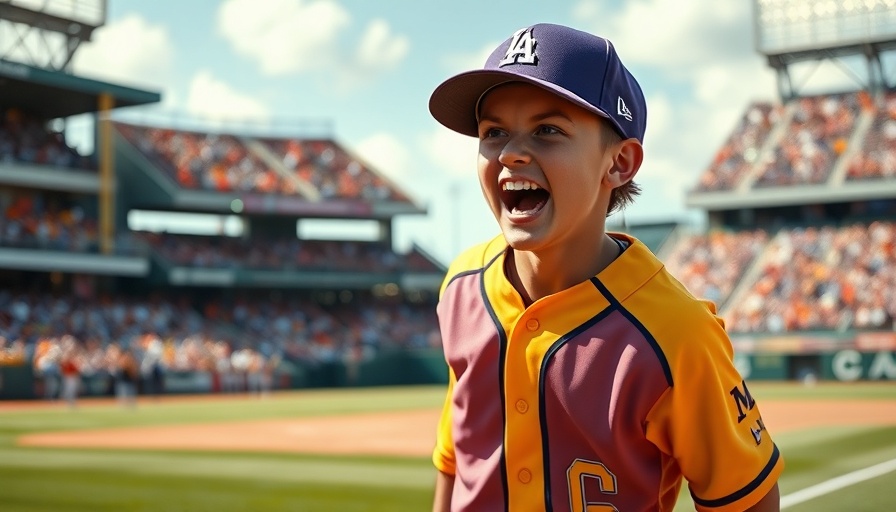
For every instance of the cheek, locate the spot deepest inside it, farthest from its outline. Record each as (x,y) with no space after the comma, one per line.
(488,182)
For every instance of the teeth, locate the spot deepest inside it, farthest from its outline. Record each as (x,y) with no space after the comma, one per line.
(519,185)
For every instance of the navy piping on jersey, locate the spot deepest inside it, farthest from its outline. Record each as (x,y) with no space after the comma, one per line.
(474,271)
(616,305)
(621,245)
(542,416)
(750,487)
(502,357)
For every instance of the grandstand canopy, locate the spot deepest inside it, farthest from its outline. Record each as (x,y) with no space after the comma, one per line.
(53,94)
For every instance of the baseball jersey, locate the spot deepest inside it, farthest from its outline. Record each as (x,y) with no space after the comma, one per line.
(600,397)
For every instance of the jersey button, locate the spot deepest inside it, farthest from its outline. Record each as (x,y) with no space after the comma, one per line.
(522,406)
(525,476)
(532,324)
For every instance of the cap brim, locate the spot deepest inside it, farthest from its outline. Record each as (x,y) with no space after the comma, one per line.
(454,101)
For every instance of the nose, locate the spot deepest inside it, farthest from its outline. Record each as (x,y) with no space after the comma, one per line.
(514,152)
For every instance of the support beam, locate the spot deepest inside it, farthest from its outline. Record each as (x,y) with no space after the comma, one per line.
(107,173)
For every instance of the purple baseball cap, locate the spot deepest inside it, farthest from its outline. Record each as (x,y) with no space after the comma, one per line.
(575,65)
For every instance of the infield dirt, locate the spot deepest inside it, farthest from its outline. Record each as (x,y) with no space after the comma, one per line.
(406,433)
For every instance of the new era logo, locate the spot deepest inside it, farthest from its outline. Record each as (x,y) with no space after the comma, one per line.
(622,109)
(521,49)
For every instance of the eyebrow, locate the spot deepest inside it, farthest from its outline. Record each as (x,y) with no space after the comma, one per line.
(536,118)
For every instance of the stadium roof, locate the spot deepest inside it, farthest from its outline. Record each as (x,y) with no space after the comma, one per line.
(52,94)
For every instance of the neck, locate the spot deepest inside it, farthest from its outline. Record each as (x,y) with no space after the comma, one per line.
(535,276)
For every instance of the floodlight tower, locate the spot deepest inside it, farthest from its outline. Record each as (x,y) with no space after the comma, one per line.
(46,33)
(787,32)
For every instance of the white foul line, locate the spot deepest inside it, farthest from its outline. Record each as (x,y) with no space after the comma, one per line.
(838,483)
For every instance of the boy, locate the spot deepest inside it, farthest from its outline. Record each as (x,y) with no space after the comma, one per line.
(583,377)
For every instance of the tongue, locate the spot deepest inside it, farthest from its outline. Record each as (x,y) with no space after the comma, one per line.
(529,204)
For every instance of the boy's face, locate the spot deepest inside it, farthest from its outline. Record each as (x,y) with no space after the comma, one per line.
(542,168)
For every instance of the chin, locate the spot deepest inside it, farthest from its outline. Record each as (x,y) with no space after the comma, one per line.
(520,240)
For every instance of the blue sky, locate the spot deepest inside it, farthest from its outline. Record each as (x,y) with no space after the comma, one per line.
(369,67)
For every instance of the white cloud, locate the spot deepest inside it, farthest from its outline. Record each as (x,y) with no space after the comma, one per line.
(288,37)
(380,48)
(130,51)
(680,33)
(387,155)
(212,99)
(456,63)
(452,153)
(284,36)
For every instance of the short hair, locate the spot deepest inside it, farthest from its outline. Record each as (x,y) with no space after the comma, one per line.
(622,196)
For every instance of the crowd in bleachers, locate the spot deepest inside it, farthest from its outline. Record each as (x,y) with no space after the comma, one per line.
(332,171)
(824,278)
(818,134)
(217,335)
(877,159)
(205,161)
(63,365)
(286,253)
(225,163)
(710,265)
(739,152)
(26,138)
(42,221)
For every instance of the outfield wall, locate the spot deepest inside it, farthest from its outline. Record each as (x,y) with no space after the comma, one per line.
(842,356)
(412,367)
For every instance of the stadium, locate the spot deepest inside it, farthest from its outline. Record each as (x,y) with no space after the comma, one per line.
(272,369)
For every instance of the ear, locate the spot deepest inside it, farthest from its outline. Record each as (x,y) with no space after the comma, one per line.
(629,155)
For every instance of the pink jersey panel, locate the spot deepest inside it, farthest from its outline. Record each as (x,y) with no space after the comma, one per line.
(478,417)
(596,397)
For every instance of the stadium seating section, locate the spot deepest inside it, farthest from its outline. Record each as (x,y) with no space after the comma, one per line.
(25,138)
(877,158)
(318,169)
(800,279)
(42,221)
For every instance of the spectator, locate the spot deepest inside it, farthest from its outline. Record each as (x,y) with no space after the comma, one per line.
(70,368)
(127,375)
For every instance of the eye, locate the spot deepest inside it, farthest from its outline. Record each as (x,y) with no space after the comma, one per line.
(490,132)
(547,129)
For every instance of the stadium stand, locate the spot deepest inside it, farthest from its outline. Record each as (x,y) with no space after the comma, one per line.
(45,221)
(254,312)
(809,261)
(26,138)
(800,270)
(877,158)
(202,160)
(331,170)
(742,148)
(816,137)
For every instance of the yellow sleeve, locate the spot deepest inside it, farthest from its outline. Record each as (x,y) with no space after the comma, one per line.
(443,454)
(710,424)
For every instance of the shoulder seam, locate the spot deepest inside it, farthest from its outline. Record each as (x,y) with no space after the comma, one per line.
(651,340)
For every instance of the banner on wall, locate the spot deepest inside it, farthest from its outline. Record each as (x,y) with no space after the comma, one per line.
(794,344)
(851,365)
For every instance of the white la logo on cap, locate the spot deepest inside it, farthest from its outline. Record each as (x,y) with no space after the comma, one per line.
(622,109)
(522,49)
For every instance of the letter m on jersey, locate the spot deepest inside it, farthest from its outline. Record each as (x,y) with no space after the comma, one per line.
(743,400)
(521,49)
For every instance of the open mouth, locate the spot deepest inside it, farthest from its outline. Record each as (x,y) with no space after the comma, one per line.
(523,197)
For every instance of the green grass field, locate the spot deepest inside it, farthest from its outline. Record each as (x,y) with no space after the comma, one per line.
(51,479)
